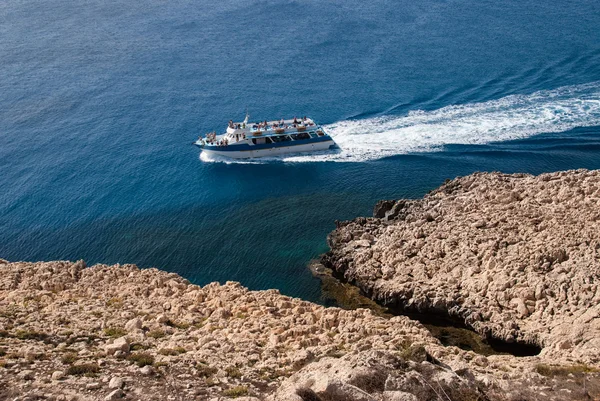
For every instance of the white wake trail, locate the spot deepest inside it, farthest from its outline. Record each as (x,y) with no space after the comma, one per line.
(511,117)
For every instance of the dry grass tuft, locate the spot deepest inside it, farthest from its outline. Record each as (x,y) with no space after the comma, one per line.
(141,359)
(237,391)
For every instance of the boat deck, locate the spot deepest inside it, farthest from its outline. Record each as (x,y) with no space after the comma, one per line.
(267,138)
(267,128)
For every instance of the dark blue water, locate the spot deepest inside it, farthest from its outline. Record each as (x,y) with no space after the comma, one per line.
(100,101)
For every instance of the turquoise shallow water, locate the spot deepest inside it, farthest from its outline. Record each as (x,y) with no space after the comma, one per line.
(99,104)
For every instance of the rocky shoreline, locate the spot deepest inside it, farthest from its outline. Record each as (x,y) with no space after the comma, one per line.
(513,256)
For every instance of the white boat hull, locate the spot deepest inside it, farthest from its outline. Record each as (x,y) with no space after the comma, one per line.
(276,151)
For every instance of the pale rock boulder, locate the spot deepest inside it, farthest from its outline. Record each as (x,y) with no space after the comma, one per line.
(114,395)
(372,376)
(116,382)
(120,344)
(58,375)
(133,324)
(399,396)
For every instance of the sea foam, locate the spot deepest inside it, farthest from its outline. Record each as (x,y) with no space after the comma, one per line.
(507,118)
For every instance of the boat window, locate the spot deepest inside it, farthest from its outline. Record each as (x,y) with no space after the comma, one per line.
(281,138)
(261,141)
(300,136)
(320,133)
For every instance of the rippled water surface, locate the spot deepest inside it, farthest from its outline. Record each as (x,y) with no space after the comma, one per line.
(100,101)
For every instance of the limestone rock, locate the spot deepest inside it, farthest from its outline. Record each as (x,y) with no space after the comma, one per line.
(146,370)
(133,324)
(399,396)
(62,316)
(514,256)
(115,395)
(116,382)
(57,375)
(26,374)
(120,344)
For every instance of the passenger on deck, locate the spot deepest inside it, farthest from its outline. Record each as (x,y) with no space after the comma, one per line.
(295,120)
(281,122)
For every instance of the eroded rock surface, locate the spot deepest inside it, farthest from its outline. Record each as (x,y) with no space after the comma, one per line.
(414,376)
(516,257)
(68,332)
(108,332)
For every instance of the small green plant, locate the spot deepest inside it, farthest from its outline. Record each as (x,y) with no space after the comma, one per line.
(87,369)
(416,353)
(270,374)
(69,358)
(156,333)
(237,391)
(551,370)
(115,302)
(210,382)
(178,325)
(335,353)
(30,335)
(141,359)
(114,332)
(233,372)
(172,351)
(207,371)
(160,364)
(39,356)
(138,347)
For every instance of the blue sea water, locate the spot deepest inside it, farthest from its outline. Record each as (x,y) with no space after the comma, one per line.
(101,100)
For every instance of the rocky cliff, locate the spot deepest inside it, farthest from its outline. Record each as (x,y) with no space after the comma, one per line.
(71,332)
(515,257)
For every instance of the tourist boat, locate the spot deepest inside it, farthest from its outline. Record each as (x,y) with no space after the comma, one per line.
(267,138)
